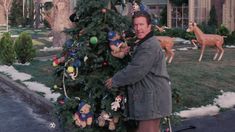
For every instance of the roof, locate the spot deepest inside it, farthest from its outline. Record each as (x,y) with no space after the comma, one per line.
(154,2)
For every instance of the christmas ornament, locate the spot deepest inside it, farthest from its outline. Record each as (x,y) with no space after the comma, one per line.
(55,87)
(139,7)
(77,63)
(72,72)
(70,69)
(104,10)
(105,63)
(116,104)
(61,101)
(85,58)
(93,40)
(105,118)
(69,43)
(119,48)
(83,117)
(57,61)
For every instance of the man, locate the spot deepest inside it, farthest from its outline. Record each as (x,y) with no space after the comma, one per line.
(149,92)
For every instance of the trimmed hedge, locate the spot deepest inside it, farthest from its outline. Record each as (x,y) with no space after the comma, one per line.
(24,48)
(7,54)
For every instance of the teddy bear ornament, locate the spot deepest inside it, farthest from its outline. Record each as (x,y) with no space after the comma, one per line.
(118,47)
(116,104)
(83,117)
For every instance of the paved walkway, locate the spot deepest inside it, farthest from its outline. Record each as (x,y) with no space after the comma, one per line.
(223,122)
(24,113)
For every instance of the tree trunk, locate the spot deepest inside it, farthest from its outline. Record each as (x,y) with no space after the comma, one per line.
(6,4)
(7,21)
(31,12)
(37,14)
(59,21)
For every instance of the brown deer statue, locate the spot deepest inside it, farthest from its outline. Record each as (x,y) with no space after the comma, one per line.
(166,43)
(207,40)
(160,29)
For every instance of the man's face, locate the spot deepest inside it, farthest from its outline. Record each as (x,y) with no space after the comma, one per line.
(141,27)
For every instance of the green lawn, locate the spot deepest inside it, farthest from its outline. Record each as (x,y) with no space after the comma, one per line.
(198,83)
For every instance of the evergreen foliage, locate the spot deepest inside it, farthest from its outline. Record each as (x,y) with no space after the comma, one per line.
(16,13)
(7,55)
(163,19)
(213,18)
(222,30)
(24,48)
(208,29)
(86,62)
(230,40)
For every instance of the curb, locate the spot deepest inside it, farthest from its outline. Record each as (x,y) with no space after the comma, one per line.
(28,94)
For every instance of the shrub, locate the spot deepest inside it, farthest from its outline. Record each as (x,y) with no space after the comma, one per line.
(208,29)
(16,17)
(230,40)
(7,55)
(24,48)
(222,30)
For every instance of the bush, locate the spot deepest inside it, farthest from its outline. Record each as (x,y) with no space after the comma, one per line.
(7,55)
(222,30)
(16,17)
(207,29)
(24,48)
(230,40)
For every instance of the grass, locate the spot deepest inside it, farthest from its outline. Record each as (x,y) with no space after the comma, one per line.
(41,71)
(40,38)
(198,83)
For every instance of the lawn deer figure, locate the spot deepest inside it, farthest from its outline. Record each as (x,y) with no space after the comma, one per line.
(207,40)
(160,29)
(167,43)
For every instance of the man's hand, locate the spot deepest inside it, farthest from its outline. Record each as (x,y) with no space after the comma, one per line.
(108,83)
(126,50)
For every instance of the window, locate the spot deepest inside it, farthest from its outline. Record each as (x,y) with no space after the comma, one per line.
(180,16)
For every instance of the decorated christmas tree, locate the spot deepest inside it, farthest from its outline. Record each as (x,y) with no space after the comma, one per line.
(95,53)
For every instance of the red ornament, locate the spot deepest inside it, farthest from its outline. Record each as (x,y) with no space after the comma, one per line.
(105,63)
(56,61)
(104,10)
(61,102)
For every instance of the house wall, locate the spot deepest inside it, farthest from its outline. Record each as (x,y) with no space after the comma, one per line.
(2,15)
(229,14)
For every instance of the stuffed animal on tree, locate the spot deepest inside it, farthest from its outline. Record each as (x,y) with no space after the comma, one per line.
(116,104)
(83,117)
(119,48)
(105,118)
